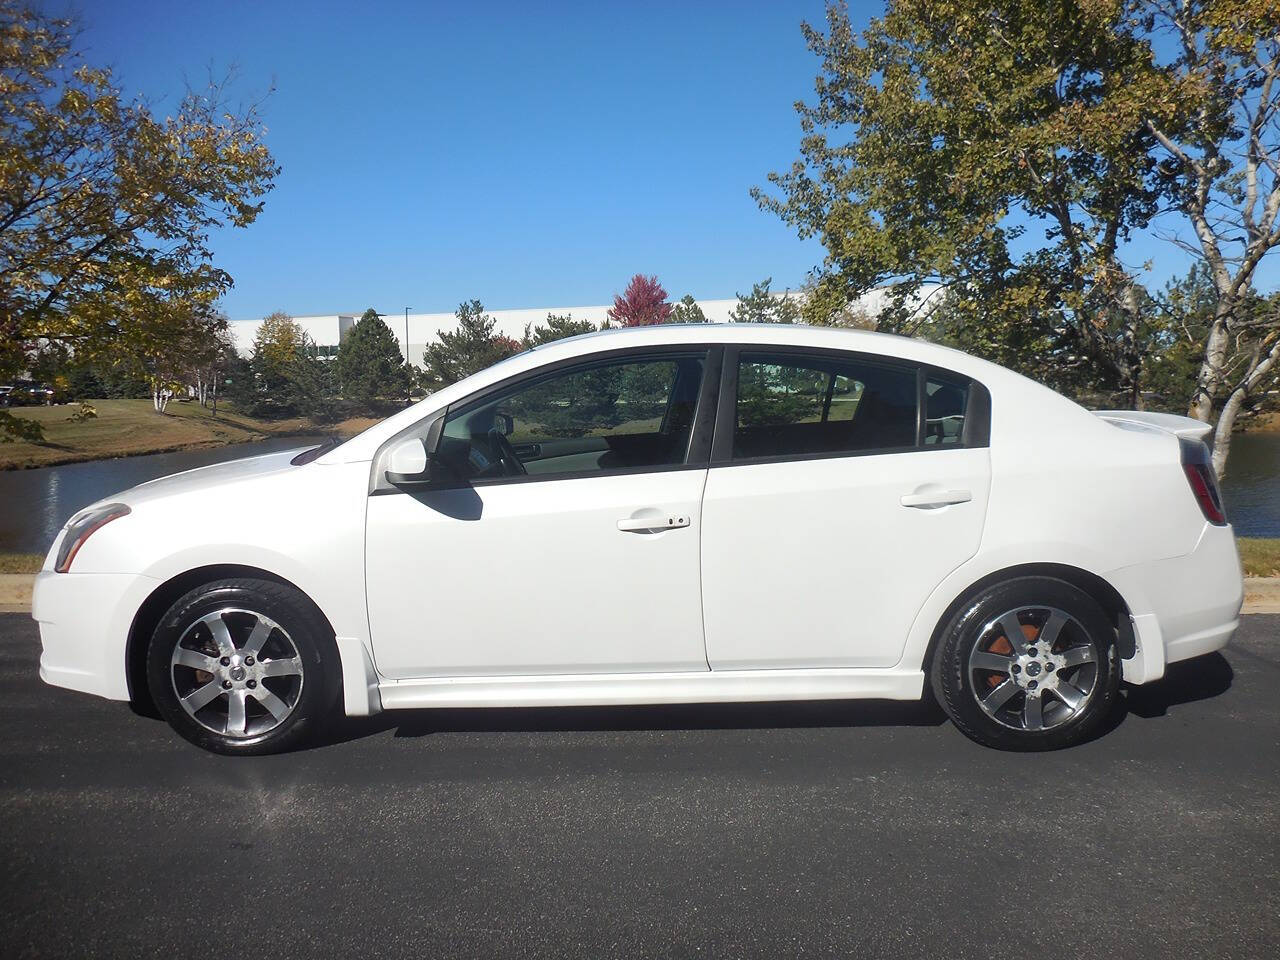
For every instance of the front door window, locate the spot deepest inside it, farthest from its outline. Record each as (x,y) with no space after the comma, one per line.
(619,414)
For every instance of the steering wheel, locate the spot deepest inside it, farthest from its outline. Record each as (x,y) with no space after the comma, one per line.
(506,453)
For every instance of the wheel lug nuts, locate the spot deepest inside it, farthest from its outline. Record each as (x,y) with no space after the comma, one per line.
(1031,652)
(226,684)
(1048,668)
(248,661)
(252,684)
(1016,669)
(225,661)
(1032,684)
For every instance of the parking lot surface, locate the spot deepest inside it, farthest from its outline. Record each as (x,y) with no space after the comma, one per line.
(787,830)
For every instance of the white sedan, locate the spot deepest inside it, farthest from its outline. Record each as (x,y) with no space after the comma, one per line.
(673,514)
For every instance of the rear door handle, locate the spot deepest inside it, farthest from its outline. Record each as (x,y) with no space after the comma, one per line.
(936,498)
(647,524)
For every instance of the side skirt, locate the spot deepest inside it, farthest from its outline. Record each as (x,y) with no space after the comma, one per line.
(728,686)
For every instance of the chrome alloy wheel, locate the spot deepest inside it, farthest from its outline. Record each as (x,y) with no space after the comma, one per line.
(1034,668)
(237,673)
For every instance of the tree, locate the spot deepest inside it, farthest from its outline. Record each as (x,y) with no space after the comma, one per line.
(83,383)
(470,348)
(642,304)
(101,201)
(1213,107)
(168,339)
(1008,150)
(311,385)
(761,306)
(556,328)
(369,363)
(993,148)
(275,345)
(687,311)
(212,365)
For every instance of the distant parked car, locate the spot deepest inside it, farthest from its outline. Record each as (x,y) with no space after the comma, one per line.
(671,514)
(6,394)
(27,393)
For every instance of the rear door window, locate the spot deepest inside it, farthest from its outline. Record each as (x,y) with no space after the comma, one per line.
(791,405)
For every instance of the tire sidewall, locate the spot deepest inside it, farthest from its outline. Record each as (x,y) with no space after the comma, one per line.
(953,685)
(311,637)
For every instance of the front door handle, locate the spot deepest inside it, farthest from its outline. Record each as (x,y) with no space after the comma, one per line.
(648,524)
(936,498)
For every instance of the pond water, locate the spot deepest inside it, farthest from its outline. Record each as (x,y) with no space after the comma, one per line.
(1251,488)
(36,503)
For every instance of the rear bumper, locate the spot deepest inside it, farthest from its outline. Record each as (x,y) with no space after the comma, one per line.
(84,621)
(1183,607)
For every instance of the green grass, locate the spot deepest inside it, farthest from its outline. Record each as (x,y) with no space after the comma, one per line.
(20,562)
(1260,556)
(125,428)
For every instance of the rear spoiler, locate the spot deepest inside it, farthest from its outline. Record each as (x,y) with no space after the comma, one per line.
(1187,427)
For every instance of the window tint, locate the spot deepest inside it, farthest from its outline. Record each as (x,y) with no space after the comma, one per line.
(791,405)
(609,415)
(944,412)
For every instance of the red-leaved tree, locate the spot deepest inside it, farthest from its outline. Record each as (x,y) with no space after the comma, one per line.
(643,303)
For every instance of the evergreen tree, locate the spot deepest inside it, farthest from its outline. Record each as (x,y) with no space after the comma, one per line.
(761,306)
(312,385)
(687,311)
(467,350)
(369,364)
(556,328)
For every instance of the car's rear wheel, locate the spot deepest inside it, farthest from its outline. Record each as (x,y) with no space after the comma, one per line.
(243,667)
(1028,664)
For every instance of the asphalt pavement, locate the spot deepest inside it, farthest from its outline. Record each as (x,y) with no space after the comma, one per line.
(786,830)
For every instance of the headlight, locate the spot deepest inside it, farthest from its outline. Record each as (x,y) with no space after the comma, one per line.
(82,528)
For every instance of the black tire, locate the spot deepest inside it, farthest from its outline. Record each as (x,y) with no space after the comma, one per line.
(973,644)
(295,635)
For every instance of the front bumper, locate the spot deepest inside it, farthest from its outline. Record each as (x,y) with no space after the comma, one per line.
(84,621)
(1182,607)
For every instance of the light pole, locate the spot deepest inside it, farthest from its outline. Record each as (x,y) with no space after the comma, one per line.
(408,366)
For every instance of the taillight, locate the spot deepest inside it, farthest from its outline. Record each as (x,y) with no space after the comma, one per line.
(1199,470)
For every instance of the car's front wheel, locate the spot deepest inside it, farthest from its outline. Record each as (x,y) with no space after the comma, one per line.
(243,667)
(1028,664)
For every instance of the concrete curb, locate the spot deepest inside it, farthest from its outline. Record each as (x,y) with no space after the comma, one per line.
(1261,594)
(15,592)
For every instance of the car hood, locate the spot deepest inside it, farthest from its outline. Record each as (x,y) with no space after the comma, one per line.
(214,475)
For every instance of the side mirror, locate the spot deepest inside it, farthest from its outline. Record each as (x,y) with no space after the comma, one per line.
(504,423)
(407,463)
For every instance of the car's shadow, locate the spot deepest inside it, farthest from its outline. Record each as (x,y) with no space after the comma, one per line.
(658,717)
(1186,682)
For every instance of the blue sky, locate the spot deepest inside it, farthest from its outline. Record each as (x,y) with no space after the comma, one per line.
(527,154)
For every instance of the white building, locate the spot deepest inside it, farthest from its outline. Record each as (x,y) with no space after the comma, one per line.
(327,330)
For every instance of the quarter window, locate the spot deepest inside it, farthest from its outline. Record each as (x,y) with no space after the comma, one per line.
(608,415)
(790,405)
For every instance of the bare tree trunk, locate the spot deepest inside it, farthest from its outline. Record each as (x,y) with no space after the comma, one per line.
(1214,363)
(1258,371)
